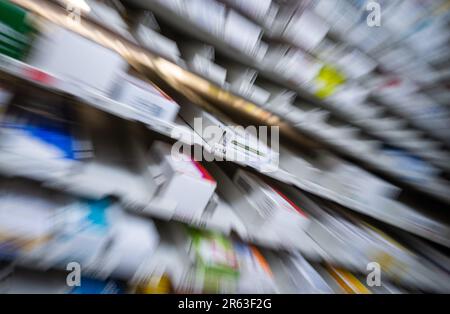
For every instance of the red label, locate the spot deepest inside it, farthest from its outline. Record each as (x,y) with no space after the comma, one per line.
(38,76)
(204,172)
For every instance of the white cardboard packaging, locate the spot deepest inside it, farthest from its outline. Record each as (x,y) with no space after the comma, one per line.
(209,69)
(83,236)
(299,67)
(245,146)
(26,214)
(146,99)
(135,241)
(182,179)
(362,186)
(208,15)
(306,30)
(241,79)
(288,230)
(307,279)
(109,17)
(157,42)
(241,33)
(297,166)
(237,144)
(278,96)
(70,56)
(271,209)
(200,58)
(258,95)
(263,11)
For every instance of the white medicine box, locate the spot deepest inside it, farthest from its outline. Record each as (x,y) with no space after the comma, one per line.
(182,179)
(74,58)
(271,208)
(147,99)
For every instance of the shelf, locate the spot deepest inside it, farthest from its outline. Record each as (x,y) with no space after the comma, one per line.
(176,75)
(23,71)
(223,219)
(435,189)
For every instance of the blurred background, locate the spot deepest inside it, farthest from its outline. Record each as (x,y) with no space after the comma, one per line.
(351,193)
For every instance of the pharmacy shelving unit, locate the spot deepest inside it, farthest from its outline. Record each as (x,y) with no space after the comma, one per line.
(280,175)
(29,74)
(46,81)
(57,85)
(396,112)
(340,37)
(269,35)
(166,259)
(372,162)
(410,122)
(159,208)
(436,188)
